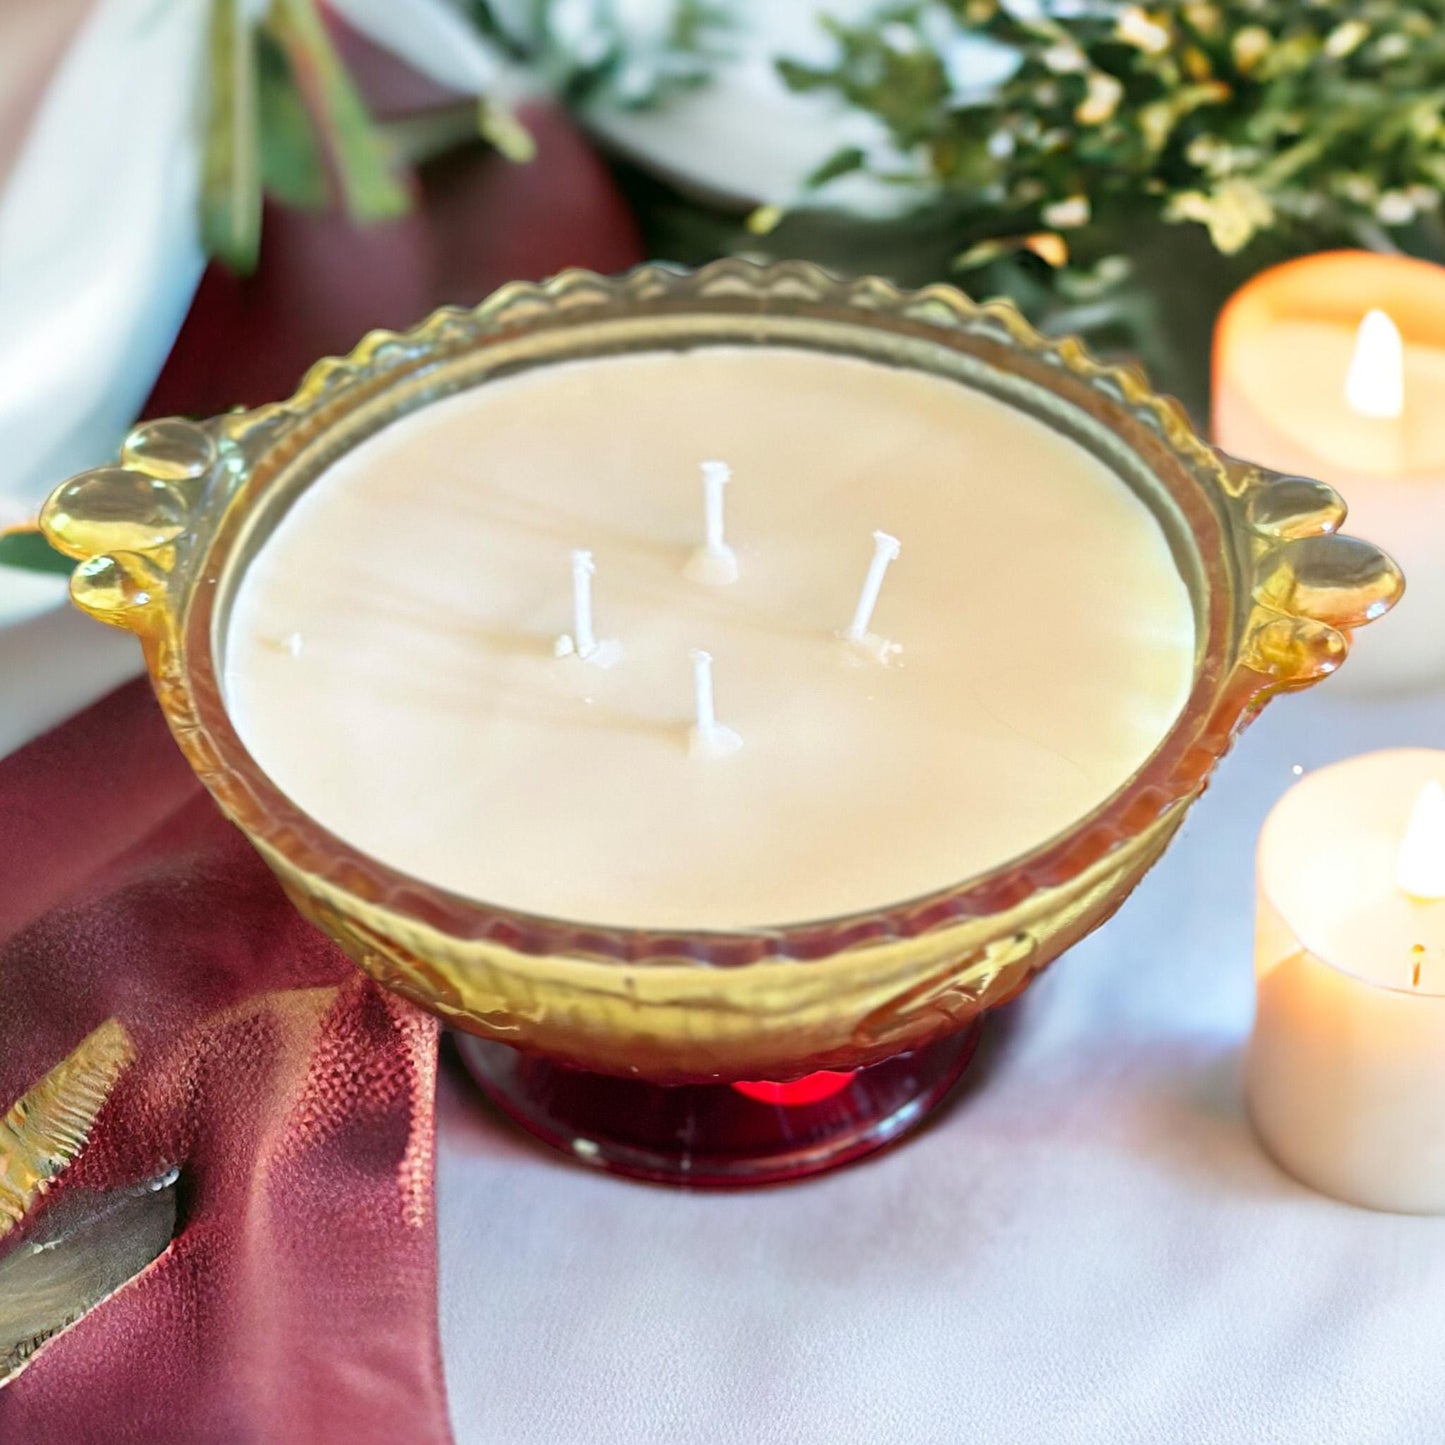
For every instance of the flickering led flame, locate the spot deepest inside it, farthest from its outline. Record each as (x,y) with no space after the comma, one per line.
(1420,871)
(1375,382)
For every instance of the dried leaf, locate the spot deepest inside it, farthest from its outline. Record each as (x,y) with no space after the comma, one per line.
(45,1129)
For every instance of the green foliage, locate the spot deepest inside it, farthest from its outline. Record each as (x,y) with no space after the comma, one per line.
(1252,118)
(284,119)
(355,150)
(609,51)
(293,165)
(230,156)
(28,550)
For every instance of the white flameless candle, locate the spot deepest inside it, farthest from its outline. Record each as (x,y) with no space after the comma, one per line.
(428,724)
(1346,1067)
(714,562)
(1333,367)
(708,737)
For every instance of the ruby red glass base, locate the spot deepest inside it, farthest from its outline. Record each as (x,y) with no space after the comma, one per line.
(717,1136)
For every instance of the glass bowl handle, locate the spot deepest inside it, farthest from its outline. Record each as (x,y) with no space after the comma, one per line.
(132,526)
(1309,585)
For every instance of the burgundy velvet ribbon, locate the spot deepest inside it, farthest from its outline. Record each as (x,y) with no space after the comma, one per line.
(298,1299)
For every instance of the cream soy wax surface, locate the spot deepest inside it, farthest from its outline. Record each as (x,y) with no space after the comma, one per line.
(402,656)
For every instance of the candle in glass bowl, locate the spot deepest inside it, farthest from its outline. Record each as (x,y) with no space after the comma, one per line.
(1346,1067)
(391,657)
(1333,367)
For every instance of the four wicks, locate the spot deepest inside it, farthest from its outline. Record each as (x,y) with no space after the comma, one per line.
(714,563)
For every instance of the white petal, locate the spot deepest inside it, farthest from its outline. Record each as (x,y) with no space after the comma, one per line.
(99,241)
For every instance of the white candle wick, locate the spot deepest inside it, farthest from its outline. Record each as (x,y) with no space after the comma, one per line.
(715,477)
(885,550)
(708,737)
(1375,381)
(583,639)
(583,636)
(714,563)
(1420,867)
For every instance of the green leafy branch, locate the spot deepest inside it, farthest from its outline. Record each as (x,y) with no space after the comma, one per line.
(609,51)
(284,119)
(1252,118)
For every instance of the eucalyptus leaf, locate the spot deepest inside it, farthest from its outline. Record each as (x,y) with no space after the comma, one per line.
(370,189)
(231,156)
(29,552)
(293,168)
(841,163)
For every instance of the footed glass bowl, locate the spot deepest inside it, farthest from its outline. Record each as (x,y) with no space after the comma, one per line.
(715,1057)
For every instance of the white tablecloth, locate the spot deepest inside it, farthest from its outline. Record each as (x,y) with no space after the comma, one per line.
(1089,1247)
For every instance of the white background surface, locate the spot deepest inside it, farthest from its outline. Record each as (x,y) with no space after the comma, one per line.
(1089,1246)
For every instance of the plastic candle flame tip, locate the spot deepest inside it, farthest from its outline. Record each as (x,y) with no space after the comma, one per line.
(1420,870)
(1375,382)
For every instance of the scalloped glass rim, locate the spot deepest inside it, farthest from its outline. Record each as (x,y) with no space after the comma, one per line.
(1257,632)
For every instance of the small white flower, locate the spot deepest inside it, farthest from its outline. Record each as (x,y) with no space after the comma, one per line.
(1068,213)
(1001,145)
(576,29)
(636,80)
(1395,208)
(1065,59)
(1358,188)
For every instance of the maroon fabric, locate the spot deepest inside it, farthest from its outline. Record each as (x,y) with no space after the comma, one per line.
(297,1302)
(298,1299)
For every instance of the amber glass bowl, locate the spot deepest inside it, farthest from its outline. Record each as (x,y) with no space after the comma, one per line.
(163,537)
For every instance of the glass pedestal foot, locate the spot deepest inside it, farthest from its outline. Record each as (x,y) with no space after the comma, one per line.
(712,1136)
